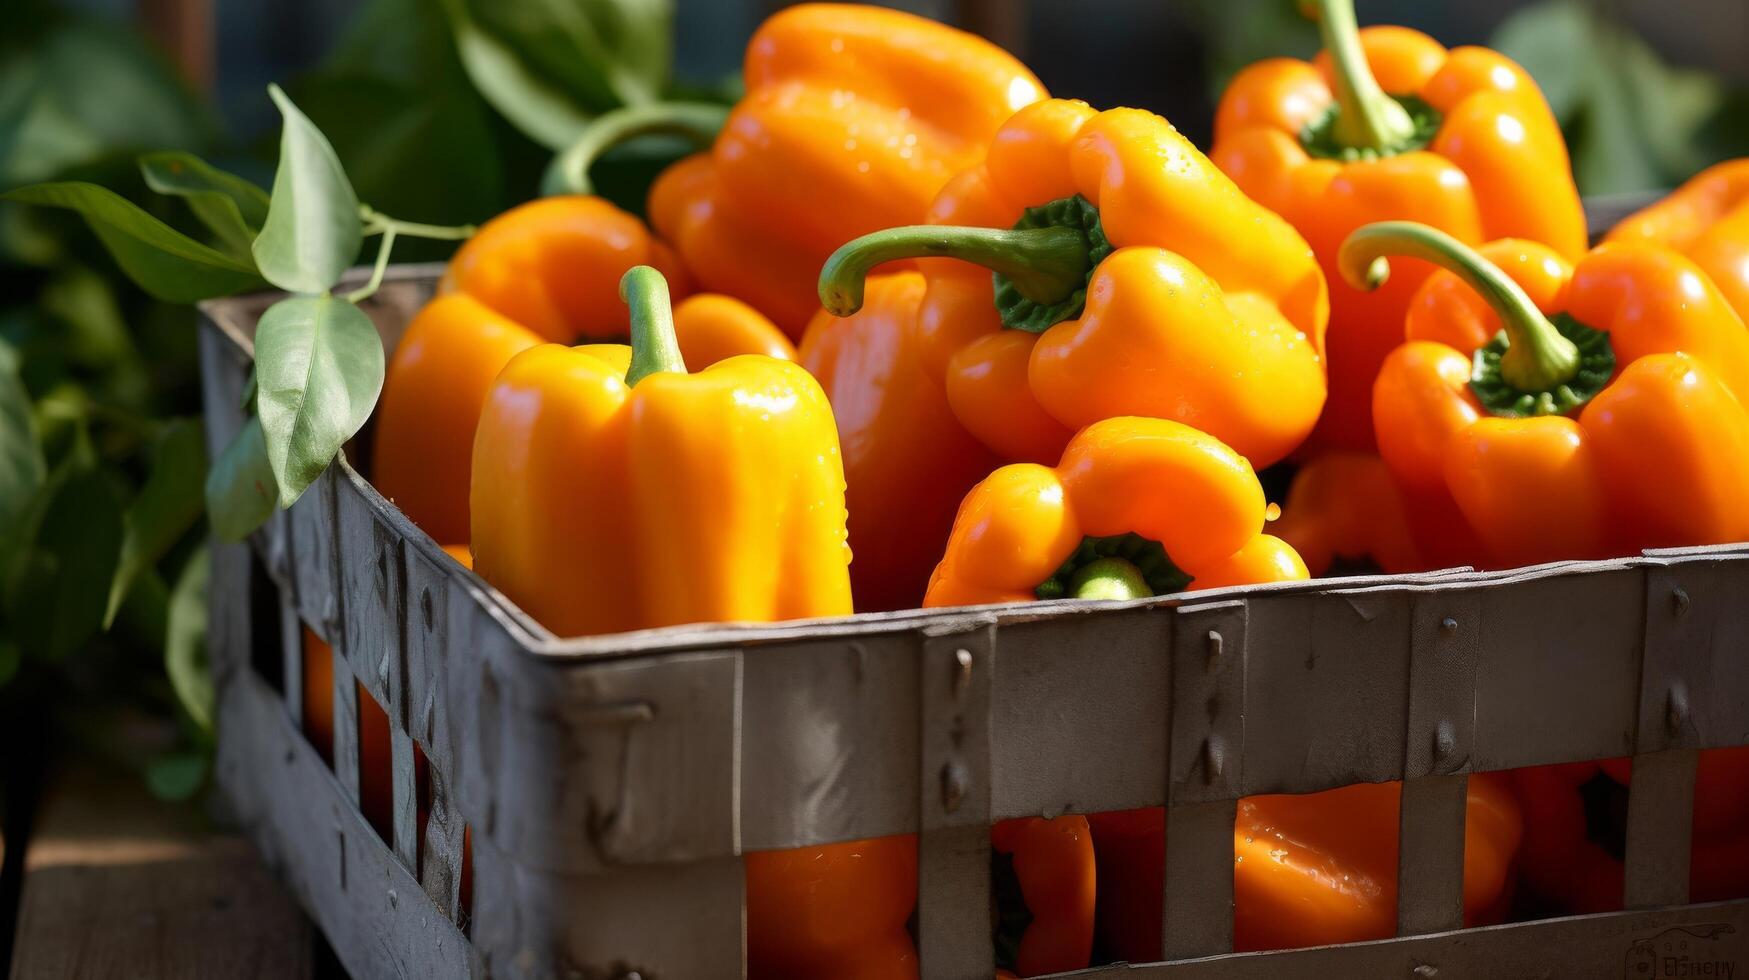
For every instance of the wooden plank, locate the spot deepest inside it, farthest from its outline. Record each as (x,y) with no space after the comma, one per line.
(120,885)
(956,673)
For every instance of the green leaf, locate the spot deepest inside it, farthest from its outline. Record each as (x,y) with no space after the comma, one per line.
(22,468)
(232,208)
(57,603)
(313,231)
(9,660)
(318,371)
(167,506)
(543,110)
(176,776)
(185,658)
(157,257)
(240,489)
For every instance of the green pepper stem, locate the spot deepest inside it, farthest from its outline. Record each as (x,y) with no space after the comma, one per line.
(569,172)
(1366,118)
(654,347)
(1045,264)
(1537,357)
(1109,578)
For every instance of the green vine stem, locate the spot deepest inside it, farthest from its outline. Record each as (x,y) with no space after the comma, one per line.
(696,121)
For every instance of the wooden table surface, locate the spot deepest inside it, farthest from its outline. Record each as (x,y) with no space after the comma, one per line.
(117,884)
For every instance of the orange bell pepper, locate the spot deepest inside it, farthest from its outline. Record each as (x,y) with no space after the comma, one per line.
(1137,507)
(1133,279)
(1346,505)
(1044,892)
(558,262)
(907,461)
(554,263)
(600,451)
(1307,870)
(1706,219)
(587,513)
(1643,350)
(854,117)
(1575,824)
(1464,141)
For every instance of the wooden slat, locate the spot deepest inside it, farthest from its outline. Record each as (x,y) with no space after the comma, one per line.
(120,885)
(953,852)
(1660,829)
(1430,860)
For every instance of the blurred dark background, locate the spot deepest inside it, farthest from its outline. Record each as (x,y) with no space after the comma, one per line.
(1171,56)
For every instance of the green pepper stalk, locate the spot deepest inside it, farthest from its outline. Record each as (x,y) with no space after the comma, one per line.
(1109,578)
(1536,366)
(1366,118)
(1041,266)
(654,346)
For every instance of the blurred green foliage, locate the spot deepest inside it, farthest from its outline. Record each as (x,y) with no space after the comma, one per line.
(102,458)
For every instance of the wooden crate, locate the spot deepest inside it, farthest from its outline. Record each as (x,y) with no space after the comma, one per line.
(612,783)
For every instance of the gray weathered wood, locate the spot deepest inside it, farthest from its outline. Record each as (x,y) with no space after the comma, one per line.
(370,907)
(1591,947)
(956,674)
(1077,688)
(1430,855)
(1660,829)
(1198,905)
(835,727)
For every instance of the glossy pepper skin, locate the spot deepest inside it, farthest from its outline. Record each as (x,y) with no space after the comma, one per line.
(1347,506)
(1307,870)
(1131,277)
(1052,865)
(1575,821)
(1136,507)
(1461,140)
(907,460)
(1622,412)
(586,508)
(553,265)
(854,117)
(445,363)
(1706,219)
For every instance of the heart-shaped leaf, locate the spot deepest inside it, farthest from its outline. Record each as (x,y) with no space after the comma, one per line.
(161,260)
(240,489)
(313,230)
(318,371)
(233,208)
(168,505)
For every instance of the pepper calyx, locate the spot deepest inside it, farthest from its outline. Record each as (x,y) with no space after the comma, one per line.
(1319,137)
(1021,304)
(1500,397)
(1094,570)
